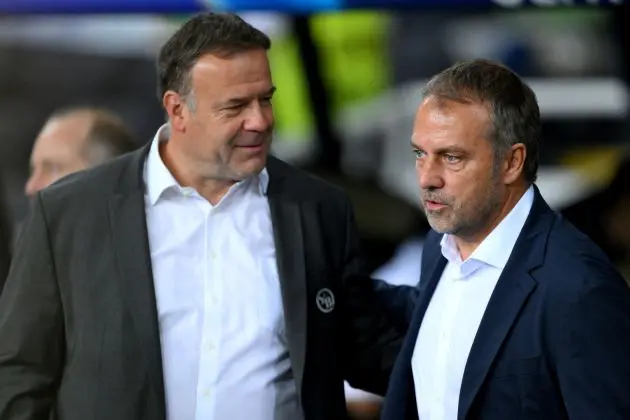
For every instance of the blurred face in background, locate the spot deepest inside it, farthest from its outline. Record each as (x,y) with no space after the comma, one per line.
(59,150)
(224,127)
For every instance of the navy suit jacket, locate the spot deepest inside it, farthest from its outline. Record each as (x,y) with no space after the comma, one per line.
(554,341)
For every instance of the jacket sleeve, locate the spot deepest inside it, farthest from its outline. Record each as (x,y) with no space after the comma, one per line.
(397,301)
(592,351)
(372,342)
(31,326)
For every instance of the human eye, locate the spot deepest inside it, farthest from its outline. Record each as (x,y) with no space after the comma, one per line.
(418,153)
(452,158)
(234,107)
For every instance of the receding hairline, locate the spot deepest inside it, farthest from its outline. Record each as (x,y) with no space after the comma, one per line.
(94,116)
(448,104)
(445,95)
(95,113)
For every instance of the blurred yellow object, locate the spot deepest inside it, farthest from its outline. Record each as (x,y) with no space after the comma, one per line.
(597,164)
(290,102)
(352,47)
(354,54)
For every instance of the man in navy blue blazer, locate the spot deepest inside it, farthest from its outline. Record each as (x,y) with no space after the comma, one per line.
(518,315)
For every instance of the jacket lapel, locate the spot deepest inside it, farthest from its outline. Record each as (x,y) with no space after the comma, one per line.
(286,217)
(511,292)
(130,239)
(513,288)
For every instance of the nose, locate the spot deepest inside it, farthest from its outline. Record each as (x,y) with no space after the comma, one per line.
(429,174)
(34,184)
(259,118)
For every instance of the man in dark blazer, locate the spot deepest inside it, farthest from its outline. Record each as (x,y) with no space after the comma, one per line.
(117,305)
(518,315)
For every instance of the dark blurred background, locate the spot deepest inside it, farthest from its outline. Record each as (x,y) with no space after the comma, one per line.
(348,88)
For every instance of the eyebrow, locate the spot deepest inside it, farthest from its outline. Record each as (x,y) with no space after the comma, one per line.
(240,100)
(442,150)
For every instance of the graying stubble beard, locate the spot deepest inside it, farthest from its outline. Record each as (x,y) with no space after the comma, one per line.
(484,211)
(475,219)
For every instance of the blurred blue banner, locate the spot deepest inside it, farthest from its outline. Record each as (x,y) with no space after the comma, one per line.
(290,6)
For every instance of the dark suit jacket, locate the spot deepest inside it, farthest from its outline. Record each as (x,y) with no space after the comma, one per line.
(5,239)
(78,319)
(554,342)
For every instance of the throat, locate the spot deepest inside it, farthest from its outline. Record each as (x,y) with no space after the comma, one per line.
(466,248)
(213,190)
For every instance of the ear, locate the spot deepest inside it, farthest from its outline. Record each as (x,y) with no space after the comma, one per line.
(514,163)
(176,109)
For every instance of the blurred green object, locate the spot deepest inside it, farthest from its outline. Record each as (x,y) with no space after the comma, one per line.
(290,103)
(352,46)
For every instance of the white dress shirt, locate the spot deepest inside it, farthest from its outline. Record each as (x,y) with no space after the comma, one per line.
(218,296)
(453,316)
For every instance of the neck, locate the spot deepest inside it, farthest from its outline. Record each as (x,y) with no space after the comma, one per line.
(467,243)
(212,189)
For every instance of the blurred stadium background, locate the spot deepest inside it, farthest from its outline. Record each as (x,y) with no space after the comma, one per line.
(348,77)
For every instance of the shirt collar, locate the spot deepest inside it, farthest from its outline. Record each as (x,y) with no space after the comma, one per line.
(496,248)
(158,178)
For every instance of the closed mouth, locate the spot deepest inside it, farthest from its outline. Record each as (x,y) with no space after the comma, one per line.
(431,204)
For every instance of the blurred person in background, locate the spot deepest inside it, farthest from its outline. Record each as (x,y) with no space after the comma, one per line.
(519,315)
(75,139)
(196,278)
(71,140)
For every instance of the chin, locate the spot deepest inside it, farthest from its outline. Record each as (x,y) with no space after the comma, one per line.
(440,229)
(249,170)
(440,226)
